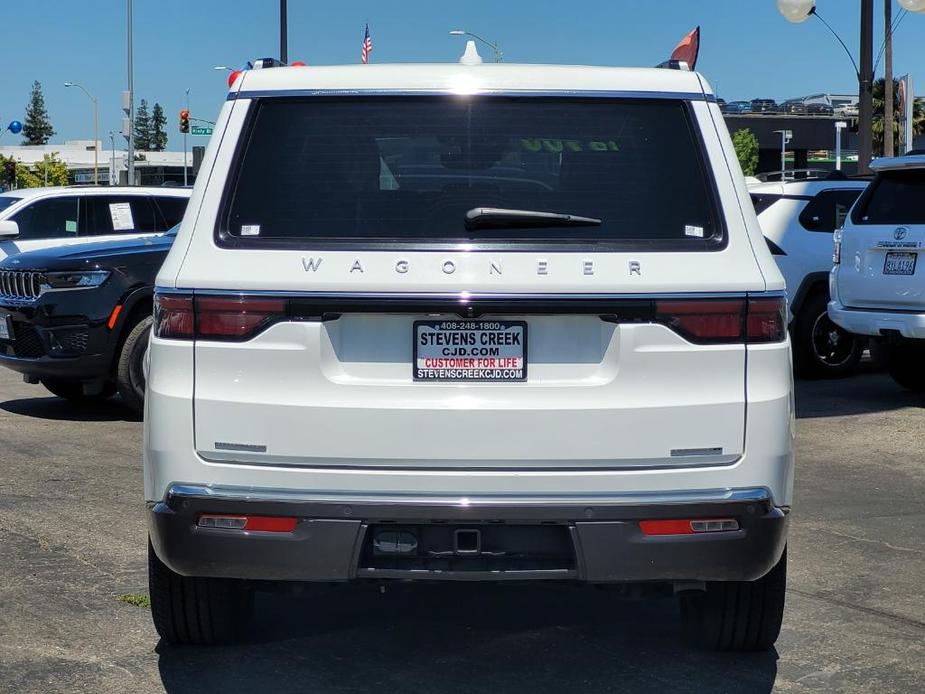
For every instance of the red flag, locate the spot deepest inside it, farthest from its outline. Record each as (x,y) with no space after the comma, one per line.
(688,49)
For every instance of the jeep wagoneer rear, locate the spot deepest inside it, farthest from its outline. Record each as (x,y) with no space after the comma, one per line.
(458,322)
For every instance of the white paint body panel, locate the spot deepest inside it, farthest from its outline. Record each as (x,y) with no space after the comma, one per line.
(604,405)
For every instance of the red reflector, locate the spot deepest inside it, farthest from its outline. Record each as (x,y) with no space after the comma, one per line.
(114,316)
(235,317)
(173,316)
(666,527)
(767,320)
(703,320)
(265,524)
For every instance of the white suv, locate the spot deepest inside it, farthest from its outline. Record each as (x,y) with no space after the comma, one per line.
(34,218)
(876,285)
(464,322)
(798,219)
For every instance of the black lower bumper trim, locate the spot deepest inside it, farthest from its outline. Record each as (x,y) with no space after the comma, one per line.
(329,547)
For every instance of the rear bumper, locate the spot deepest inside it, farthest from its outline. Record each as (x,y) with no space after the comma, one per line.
(878,322)
(333,534)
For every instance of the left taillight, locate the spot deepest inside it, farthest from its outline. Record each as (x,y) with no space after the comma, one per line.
(232,317)
(173,316)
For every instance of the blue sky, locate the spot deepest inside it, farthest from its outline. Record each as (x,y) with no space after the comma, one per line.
(748,50)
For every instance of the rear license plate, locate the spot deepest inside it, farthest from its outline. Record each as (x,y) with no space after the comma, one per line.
(466,350)
(6,328)
(900,264)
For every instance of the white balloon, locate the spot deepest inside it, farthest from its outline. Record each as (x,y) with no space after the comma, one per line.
(797,11)
(913,5)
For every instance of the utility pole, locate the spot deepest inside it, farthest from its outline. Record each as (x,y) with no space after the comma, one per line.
(888,78)
(185,181)
(283,34)
(865,94)
(130,162)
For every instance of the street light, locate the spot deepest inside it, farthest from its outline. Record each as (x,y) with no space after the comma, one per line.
(495,48)
(785,137)
(96,131)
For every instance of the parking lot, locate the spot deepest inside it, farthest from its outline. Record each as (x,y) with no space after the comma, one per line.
(72,539)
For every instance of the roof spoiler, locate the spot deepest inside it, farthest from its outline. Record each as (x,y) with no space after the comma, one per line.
(674,65)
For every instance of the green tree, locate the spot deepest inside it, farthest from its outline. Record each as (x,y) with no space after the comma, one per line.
(918,117)
(51,170)
(143,128)
(746,147)
(158,134)
(37,130)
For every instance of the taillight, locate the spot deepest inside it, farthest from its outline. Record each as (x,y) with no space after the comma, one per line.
(717,321)
(704,321)
(767,320)
(183,317)
(235,317)
(836,247)
(173,316)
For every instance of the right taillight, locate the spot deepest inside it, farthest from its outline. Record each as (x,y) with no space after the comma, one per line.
(718,321)
(766,320)
(231,317)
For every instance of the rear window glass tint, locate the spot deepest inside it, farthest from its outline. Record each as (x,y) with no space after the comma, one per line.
(895,197)
(112,214)
(763,201)
(828,210)
(407,169)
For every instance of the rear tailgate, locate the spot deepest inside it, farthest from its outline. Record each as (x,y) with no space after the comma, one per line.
(882,247)
(364,238)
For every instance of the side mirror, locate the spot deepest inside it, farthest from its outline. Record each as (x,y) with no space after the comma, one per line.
(8,229)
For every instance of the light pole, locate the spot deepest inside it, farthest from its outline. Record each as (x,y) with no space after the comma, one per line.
(495,48)
(800,10)
(112,166)
(96,131)
(283,34)
(130,158)
(839,126)
(185,182)
(785,137)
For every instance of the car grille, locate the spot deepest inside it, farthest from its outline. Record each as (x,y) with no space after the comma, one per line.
(28,344)
(20,284)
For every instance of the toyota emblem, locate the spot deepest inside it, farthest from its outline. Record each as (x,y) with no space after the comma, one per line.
(900,233)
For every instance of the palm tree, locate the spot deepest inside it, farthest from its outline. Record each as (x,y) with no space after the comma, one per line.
(918,116)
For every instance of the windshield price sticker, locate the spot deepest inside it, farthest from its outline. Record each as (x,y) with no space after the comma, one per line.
(465,350)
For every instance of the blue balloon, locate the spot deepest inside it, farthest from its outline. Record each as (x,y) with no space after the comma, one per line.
(15,127)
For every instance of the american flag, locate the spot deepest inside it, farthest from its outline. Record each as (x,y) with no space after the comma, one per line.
(367,47)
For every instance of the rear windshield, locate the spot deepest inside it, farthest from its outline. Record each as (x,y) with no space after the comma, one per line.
(406,170)
(894,197)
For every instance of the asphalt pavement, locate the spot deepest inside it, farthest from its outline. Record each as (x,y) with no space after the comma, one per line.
(72,539)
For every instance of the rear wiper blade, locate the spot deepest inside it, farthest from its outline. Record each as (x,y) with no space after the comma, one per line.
(500,218)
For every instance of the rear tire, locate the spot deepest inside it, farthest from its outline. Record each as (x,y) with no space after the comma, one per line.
(130,375)
(737,615)
(821,348)
(906,366)
(190,610)
(73,391)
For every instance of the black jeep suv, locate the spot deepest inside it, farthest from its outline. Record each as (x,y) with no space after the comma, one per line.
(77,318)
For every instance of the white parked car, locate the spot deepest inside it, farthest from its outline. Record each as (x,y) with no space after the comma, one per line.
(437,322)
(877,285)
(798,219)
(33,218)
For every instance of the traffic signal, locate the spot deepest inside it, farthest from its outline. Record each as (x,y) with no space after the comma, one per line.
(9,171)
(184,121)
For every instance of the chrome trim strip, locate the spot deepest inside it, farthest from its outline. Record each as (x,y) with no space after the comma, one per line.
(574,93)
(470,296)
(698,496)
